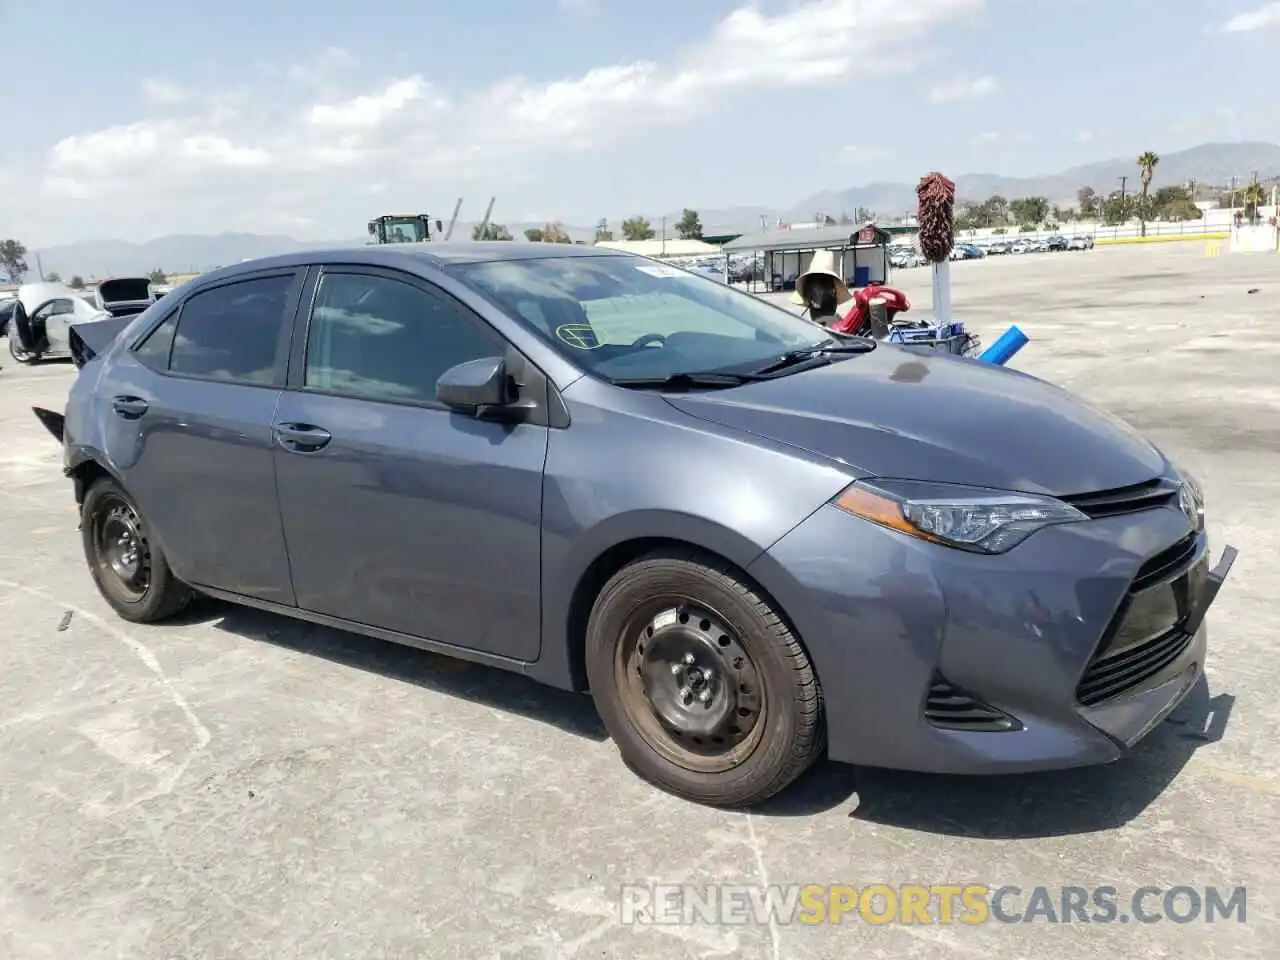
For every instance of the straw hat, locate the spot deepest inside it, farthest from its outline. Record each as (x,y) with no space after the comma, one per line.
(824,264)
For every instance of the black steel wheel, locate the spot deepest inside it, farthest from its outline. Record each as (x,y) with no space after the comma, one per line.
(700,681)
(128,567)
(688,685)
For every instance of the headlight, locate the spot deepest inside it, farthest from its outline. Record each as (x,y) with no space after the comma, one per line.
(968,518)
(1191,498)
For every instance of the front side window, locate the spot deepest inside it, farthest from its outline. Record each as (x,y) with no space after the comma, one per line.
(232,332)
(383,339)
(622,317)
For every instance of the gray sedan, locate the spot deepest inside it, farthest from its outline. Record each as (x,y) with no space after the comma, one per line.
(753,541)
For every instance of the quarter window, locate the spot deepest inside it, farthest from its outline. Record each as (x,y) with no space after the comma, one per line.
(375,337)
(231,332)
(154,350)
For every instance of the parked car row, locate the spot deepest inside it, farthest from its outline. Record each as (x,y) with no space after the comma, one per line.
(904,256)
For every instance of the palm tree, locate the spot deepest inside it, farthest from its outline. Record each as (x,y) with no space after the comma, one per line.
(1252,198)
(1147,165)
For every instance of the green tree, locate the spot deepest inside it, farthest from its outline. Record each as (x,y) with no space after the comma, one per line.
(602,231)
(490,231)
(637,228)
(555,233)
(158,276)
(13,259)
(53,276)
(1029,210)
(1089,201)
(76,282)
(533,234)
(863,215)
(1117,209)
(1146,170)
(689,227)
(1174,203)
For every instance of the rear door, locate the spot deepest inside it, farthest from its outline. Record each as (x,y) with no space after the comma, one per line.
(400,514)
(189,412)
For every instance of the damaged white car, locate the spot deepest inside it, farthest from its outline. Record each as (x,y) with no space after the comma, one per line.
(44,312)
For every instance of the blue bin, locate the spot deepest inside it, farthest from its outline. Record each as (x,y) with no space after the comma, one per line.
(862,276)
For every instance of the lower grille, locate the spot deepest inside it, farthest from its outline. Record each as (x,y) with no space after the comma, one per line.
(951,709)
(1122,671)
(1146,634)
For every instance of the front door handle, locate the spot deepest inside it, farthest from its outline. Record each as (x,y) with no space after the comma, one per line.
(301,437)
(131,408)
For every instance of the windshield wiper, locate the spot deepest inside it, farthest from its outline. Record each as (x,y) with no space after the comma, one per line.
(688,381)
(817,352)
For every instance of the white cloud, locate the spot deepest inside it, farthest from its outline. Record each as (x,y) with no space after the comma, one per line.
(163,93)
(863,153)
(321,67)
(233,159)
(963,87)
(1083,136)
(1268,15)
(995,137)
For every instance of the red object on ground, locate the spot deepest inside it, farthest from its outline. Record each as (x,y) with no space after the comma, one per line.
(858,320)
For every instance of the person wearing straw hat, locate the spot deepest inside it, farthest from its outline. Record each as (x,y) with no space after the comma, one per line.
(821,288)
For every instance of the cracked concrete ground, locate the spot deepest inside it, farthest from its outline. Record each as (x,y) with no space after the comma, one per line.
(241,785)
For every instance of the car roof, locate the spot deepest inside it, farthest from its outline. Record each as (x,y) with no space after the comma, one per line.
(432,252)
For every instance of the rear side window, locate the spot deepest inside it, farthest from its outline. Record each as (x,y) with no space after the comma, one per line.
(231,332)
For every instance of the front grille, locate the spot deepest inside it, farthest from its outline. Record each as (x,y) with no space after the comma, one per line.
(1113,675)
(950,708)
(1125,500)
(1146,634)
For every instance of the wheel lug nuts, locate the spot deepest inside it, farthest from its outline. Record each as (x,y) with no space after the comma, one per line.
(676,668)
(688,658)
(705,695)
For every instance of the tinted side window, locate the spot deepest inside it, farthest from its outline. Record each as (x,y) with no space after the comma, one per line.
(154,350)
(387,340)
(231,332)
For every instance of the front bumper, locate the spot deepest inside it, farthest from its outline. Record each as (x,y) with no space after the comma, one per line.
(1064,652)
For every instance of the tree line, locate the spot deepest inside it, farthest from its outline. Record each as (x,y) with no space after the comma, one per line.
(1112,208)
(688,227)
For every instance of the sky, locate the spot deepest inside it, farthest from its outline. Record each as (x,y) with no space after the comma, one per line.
(139,119)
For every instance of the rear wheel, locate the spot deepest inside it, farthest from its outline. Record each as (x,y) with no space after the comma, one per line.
(128,567)
(700,682)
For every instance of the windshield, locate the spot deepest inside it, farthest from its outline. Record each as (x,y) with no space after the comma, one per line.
(405,230)
(623,317)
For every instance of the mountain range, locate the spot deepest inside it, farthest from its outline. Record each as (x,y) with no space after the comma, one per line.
(1208,164)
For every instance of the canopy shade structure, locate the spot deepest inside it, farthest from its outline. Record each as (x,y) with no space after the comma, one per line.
(661,248)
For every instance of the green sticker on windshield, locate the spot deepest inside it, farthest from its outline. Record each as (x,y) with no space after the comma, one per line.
(580,336)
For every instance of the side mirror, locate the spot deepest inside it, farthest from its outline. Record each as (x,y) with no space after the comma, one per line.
(439,226)
(469,387)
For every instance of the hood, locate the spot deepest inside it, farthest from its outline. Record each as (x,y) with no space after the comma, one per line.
(895,413)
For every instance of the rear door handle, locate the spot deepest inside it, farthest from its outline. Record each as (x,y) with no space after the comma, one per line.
(301,437)
(131,408)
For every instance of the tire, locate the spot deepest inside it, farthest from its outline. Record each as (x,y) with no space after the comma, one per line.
(154,593)
(700,682)
(15,348)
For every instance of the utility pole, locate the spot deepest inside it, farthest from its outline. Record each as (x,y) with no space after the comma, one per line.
(664,236)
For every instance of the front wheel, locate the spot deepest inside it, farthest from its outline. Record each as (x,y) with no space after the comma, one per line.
(16,350)
(701,683)
(128,567)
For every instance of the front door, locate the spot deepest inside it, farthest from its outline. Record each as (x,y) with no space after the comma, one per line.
(188,424)
(398,513)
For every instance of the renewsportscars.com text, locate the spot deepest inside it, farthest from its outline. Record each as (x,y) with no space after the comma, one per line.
(968,904)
